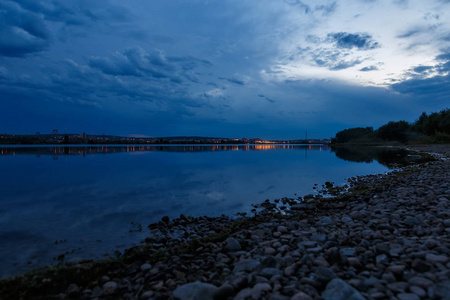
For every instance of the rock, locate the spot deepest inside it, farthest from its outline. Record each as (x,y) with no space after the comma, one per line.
(411,221)
(282,229)
(326,220)
(381,259)
(408,296)
(73,291)
(337,289)
(270,251)
(110,287)
(244,294)
(247,265)
(396,269)
(195,291)
(147,295)
(421,266)
(347,251)
(269,272)
(232,244)
(398,287)
(324,274)
(418,291)
(420,281)
(224,292)
(301,296)
(260,289)
(145,267)
(436,258)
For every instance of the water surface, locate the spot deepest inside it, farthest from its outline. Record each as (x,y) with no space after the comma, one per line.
(91,200)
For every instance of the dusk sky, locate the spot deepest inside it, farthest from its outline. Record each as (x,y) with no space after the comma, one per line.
(225,68)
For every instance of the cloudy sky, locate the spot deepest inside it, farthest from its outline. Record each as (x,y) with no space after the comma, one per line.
(230,68)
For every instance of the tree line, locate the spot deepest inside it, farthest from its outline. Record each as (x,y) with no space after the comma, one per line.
(432,128)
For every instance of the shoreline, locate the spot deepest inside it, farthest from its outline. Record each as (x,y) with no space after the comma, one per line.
(387,236)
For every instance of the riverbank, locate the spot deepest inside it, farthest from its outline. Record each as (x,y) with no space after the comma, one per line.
(386,237)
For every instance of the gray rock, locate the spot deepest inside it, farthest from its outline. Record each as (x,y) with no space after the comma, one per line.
(195,291)
(73,291)
(244,294)
(408,296)
(247,265)
(224,292)
(145,267)
(436,258)
(347,251)
(326,220)
(337,289)
(411,221)
(269,272)
(110,287)
(301,296)
(420,281)
(232,244)
(260,289)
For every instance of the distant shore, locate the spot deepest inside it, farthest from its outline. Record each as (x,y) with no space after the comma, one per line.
(385,236)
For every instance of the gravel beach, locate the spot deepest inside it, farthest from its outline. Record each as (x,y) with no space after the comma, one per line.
(386,237)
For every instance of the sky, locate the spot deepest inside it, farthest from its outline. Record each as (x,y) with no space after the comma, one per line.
(271,69)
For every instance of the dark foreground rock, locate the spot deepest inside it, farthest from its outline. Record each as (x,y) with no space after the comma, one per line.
(387,237)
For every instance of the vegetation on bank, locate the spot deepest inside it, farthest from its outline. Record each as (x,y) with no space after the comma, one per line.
(428,129)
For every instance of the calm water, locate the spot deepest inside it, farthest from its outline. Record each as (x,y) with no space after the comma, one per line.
(84,199)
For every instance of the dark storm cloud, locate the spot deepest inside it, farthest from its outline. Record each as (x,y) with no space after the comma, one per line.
(436,87)
(361,41)
(369,68)
(21,32)
(73,12)
(137,62)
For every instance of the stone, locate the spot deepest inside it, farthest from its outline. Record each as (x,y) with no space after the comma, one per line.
(73,291)
(420,281)
(411,221)
(145,267)
(324,274)
(224,292)
(396,269)
(282,229)
(421,266)
(418,291)
(246,265)
(269,272)
(301,296)
(147,295)
(232,244)
(260,289)
(432,258)
(195,291)
(381,259)
(270,251)
(337,289)
(244,294)
(326,220)
(110,287)
(347,251)
(407,296)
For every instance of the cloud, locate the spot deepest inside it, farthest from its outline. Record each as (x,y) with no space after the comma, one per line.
(369,68)
(137,62)
(361,41)
(266,98)
(21,32)
(431,82)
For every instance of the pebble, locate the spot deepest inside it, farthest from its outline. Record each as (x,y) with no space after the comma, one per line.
(195,291)
(337,289)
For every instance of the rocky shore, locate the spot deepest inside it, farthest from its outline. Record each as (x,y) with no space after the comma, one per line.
(385,237)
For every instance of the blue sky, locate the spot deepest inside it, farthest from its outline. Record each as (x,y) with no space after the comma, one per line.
(230,68)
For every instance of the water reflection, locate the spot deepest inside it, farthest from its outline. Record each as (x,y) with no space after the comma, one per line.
(387,156)
(87,197)
(108,149)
